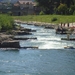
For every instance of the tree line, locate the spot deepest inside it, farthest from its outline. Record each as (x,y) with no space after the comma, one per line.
(61,7)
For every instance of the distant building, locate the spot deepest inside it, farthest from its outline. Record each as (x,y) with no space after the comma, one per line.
(21,7)
(27,5)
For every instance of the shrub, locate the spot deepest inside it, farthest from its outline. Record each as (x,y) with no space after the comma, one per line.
(74,13)
(41,13)
(54,19)
(6,22)
(62,9)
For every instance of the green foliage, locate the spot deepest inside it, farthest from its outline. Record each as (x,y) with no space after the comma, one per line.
(71,10)
(41,13)
(67,2)
(51,6)
(54,19)
(9,13)
(62,9)
(46,5)
(6,22)
(74,13)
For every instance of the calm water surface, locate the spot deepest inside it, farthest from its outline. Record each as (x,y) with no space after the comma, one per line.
(50,59)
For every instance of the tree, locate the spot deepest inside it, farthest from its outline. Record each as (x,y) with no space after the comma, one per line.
(62,9)
(46,6)
(51,6)
(72,9)
(67,2)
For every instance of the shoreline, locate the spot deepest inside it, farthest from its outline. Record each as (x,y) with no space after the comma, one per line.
(42,23)
(34,23)
(48,25)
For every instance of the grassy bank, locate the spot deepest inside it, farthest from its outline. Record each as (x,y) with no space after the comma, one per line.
(47,18)
(6,22)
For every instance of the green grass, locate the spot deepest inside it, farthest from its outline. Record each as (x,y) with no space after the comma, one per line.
(6,22)
(47,18)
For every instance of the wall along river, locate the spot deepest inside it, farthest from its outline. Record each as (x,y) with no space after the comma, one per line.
(49,59)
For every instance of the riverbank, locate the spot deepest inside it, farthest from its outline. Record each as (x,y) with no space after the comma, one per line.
(36,23)
(7,39)
(66,26)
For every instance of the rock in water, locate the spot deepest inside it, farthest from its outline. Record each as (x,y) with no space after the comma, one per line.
(9,44)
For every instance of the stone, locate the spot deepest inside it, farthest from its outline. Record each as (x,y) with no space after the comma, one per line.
(9,44)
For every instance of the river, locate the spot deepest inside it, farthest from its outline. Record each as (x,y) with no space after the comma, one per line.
(49,59)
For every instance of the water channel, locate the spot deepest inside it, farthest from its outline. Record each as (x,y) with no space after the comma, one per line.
(49,59)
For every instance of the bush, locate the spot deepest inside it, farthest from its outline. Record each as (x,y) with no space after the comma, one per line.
(62,9)
(74,13)
(41,13)
(54,19)
(6,22)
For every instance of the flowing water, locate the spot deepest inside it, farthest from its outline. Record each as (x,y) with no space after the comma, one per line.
(49,59)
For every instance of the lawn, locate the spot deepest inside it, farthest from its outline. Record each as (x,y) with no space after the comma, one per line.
(47,18)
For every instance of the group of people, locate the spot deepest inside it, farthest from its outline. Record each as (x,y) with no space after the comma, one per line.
(62,28)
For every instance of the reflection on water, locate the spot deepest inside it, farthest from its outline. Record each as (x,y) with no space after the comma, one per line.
(50,59)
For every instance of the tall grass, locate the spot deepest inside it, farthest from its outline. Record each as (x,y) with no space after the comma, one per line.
(47,18)
(6,22)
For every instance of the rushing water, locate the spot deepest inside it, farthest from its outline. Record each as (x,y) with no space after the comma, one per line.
(49,59)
